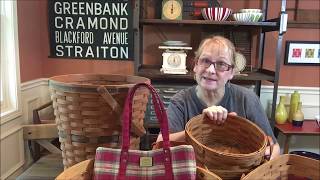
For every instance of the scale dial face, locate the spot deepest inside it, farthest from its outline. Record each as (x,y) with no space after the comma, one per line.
(240,62)
(171,9)
(174,60)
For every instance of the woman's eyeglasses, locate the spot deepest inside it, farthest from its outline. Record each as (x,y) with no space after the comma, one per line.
(219,66)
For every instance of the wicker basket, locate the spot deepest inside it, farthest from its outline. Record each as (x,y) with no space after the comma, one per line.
(287,166)
(84,171)
(87,118)
(228,150)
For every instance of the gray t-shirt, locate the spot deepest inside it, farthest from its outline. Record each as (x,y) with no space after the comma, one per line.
(185,104)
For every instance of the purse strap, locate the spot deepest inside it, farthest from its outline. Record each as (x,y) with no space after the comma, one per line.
(163,120)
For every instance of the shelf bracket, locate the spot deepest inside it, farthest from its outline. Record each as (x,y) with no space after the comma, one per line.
(283,22)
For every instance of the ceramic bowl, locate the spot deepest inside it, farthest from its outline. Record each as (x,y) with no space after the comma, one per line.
(256,17)
(216,13)
(242,17)
(250,10)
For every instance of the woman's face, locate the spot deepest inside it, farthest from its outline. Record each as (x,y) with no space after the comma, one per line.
(213,76)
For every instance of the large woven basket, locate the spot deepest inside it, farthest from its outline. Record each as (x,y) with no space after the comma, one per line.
(285,167)
(84,171)
(228,150)
(87,119)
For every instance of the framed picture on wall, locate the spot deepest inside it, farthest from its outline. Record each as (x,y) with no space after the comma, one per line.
(302,53)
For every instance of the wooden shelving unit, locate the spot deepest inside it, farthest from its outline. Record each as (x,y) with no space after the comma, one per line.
(153,73)
(255,76)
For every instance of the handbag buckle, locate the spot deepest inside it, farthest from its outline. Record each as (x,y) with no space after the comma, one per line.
(145,161)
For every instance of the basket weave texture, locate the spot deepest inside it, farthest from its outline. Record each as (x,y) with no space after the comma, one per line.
(285,167)
(85,120)
(84,171)
(228,150)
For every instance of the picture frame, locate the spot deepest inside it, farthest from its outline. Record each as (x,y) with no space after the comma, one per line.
(302,53)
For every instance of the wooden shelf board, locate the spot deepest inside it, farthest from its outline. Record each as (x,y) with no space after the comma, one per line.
(265,24)
(153,72)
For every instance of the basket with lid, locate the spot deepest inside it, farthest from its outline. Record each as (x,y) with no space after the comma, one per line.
(228,150)
(87,110)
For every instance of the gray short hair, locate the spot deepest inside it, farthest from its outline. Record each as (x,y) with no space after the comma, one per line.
(216,39)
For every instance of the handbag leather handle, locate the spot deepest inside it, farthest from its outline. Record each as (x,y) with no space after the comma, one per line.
(159,110)
(163,120)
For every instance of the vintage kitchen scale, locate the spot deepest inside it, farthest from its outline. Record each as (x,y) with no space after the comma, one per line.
(174,57)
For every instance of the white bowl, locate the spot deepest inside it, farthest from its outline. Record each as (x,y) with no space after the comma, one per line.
(216,13)
(256,17)
(242,17)
(250,10)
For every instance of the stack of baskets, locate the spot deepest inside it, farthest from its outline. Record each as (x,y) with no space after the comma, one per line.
(84,171)
(282,167)
(228,150)
(86,120)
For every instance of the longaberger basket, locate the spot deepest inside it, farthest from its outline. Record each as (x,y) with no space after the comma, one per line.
(84,171)
(87,109)
(286,166)
(228,150)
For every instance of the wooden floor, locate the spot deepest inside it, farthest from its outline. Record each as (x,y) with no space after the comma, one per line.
(46,168)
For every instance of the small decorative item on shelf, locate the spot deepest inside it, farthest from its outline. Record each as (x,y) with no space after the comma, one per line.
(174,57)
(216,13)
(192,8)
(281,115)
(172,9)
(298,116)
(240,63)
(256,17)
(250,11)
(294,100)
(242,17)
(248,15)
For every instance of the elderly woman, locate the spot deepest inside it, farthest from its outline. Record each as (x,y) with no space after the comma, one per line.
(214,95)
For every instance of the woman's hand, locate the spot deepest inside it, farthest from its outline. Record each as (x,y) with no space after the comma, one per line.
(217,114)
(178,136)
(273,150)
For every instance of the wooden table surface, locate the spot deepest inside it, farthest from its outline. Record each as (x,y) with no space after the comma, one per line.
(309,127)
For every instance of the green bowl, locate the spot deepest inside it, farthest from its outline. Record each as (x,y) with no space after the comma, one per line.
(256,17)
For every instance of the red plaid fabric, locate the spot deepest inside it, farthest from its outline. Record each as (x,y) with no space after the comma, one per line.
(183,163)
(162,164)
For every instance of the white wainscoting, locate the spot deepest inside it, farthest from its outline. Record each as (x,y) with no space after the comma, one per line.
(13,154)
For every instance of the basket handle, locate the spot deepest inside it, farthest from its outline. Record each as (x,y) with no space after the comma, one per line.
(270,144)
(163,120)
(109,99)
(117,109)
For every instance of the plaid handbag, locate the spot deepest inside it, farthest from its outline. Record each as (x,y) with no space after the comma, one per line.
(167,163)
